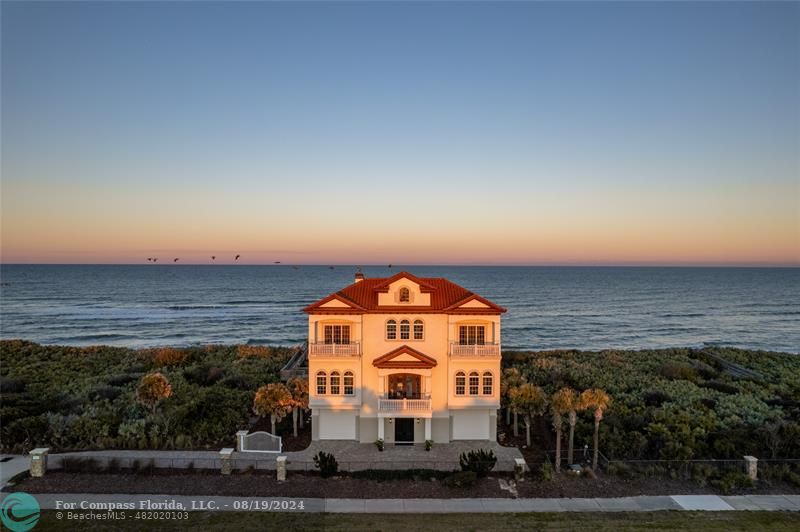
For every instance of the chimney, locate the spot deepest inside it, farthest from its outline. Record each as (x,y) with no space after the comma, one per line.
(359,277)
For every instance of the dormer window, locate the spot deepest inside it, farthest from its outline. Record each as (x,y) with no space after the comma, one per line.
(405,295)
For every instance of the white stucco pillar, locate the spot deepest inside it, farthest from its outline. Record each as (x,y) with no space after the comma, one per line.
(428,429)
(380,427)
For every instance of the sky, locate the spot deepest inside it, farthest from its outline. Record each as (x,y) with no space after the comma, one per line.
(409,133)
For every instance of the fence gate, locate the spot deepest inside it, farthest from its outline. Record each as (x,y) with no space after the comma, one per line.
(259,442)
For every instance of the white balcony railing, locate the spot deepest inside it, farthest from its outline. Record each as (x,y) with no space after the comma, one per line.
(405,405)
(475,350)
(353,349)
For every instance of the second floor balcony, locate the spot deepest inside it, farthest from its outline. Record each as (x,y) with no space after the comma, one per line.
(321,349)
(420,402)
(474,350)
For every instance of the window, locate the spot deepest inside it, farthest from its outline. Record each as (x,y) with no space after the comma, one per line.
(461,383)
(405,295)
(487,383)
(335,383)
(418,330)
(348,383)
(322,381)
(405,330)
(337,334)
(391,330)
(471,334)
(473,383)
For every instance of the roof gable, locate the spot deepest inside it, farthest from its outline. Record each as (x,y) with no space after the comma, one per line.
(386,283)
(404,357)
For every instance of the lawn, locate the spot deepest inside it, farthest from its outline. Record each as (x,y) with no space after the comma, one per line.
(706,521)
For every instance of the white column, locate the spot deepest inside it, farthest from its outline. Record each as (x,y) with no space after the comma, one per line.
(381,421)
(428,428)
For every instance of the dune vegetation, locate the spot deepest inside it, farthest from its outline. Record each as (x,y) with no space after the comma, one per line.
(679,404)
(672,404)
(76,398)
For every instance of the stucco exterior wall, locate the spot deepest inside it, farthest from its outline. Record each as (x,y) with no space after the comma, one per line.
(357,416)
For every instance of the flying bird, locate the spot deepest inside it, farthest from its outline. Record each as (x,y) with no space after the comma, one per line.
(277,262)
(175,260)
(237,257)
(155,259)
(149,259)
(390,266)
(213,257)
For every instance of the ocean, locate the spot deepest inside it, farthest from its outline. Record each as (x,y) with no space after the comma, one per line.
(548,307)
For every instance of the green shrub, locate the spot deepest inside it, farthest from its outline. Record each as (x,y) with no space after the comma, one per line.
(326,463)
(656,398)
(678,372)
(428,445)
(122,380)
(546,471)
(8,385)
(621,469)
(702,473)
(104,393)
(379,444)
(733,481)
(720,386)
(480,461)
(461,479)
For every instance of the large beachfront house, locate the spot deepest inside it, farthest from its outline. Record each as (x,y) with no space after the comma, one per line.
(405,359)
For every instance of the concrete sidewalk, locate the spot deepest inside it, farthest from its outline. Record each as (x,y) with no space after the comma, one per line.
(16,464)
(712,503)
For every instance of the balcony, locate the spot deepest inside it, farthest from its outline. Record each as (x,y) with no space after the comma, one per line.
(323,350)
(474,350)
(418,403)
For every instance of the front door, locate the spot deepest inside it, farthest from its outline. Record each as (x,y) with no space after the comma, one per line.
(404,431)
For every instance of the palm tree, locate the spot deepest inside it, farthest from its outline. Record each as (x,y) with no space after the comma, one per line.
(597,400)
(574,407)
(529,400)
(561,403)
(274,399)
(511,379)
(299,389)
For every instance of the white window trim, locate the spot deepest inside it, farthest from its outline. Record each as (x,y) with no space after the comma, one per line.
(483,376)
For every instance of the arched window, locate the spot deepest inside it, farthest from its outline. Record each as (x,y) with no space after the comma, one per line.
(391,330)
(348,383)
(419,330)
(335,381)
(322,382)
(461,383)
(405,295)
(405,330)
(488,383)
(474,380)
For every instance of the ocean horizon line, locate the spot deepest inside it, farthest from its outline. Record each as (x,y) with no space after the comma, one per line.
(400,267)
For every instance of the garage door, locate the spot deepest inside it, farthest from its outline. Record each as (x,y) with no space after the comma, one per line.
(337,426)
(471,426)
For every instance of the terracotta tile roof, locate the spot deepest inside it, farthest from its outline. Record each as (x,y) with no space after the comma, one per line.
(446,296)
